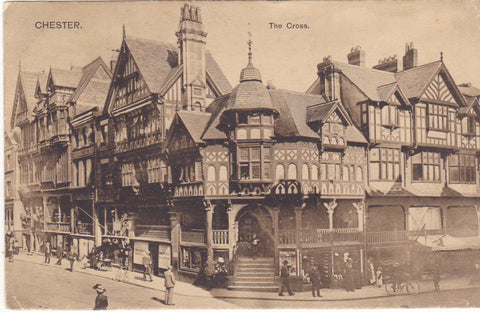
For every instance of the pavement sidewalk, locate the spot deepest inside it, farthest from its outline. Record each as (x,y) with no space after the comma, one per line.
(181,288)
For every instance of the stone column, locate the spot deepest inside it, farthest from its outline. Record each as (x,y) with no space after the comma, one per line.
(330,206)
(231,231)
(209,209)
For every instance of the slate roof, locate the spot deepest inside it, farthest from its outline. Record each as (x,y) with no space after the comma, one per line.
(469,90)
(195,122)
(249,95)
(89,71)
(28,81)
(413,81)
(354,135)
(66,78)
(42,81)
(158,62)
(216,109)
(319,112)
(366,79)
(385,91)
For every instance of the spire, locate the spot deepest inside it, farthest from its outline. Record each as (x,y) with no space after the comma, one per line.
(250,73)
(441,56)
(249,45)
(123,32)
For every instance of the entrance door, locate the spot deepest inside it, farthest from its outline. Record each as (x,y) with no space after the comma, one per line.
(255,220)
(153,248)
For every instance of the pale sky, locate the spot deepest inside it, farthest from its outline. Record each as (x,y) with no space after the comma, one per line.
(286,57)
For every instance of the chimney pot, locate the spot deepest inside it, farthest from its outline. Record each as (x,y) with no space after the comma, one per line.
(389,64)
(411,56)
(356,56)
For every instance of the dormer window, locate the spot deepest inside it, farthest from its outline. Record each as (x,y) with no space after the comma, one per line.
(468,125)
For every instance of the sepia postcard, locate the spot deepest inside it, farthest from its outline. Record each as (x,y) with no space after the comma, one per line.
(241,154)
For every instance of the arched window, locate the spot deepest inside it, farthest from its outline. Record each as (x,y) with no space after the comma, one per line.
(279,172)
(305,172)
(223,173)
(211,173)
(197,106)
(345,173)
(314,172)
(292,172)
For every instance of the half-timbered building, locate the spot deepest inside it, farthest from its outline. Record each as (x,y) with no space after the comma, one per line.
(422,155)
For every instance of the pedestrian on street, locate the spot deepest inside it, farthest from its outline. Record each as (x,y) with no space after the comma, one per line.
(348,280)
(379,276)
(316,280)
(169,285)
(436,277)
(285,279)
(48,252)
(371,271)
(101,301)
(255,245)
(147,264)
(11,248)
(71,256)
(209,273)
(59,255)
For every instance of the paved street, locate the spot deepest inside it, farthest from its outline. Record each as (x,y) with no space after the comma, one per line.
(34,286)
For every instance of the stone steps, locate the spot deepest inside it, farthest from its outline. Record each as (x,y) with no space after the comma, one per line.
(254,275)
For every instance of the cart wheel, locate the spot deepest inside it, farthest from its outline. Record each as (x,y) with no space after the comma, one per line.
(413,288)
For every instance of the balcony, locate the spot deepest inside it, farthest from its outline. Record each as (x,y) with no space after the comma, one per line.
(220,237)
(387,237)
(193,236)
(322,236)
(153,231)
(287,237)
(63,227)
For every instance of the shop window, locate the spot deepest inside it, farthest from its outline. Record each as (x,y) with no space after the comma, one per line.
(424,218)
(462,221)
(462,169)
(426,167)
(191,258)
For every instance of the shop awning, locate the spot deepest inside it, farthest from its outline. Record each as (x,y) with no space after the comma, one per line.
(447,242)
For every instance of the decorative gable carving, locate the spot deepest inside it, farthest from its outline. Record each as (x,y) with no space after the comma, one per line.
(438,90)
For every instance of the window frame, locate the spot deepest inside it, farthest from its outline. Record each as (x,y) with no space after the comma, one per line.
(463,166)
(425,163)
(433,111)
(389,165)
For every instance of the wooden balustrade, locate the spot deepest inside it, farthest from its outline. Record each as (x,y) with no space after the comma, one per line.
(58,227)
(193,236)
(153,231)
(287,237)
(426,232)
(386,237)
(220,237)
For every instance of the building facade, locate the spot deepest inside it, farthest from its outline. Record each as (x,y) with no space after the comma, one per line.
(159,153)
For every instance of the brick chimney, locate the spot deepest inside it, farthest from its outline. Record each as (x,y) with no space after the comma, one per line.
(410,57)
(389,64)
(356,56)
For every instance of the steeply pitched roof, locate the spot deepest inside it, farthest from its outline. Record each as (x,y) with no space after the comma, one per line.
(42,81)
(89,71)
(413,81)
(354,135)
(469,91)
(249,95)
(216,109)
(366,79)
(385,91)
(65,78)
(28,82)
(195,122)
(158,61)
(319,112)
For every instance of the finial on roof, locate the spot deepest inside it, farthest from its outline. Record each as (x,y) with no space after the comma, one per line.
(19,64)
(249,45)
(123,31)
(441,56)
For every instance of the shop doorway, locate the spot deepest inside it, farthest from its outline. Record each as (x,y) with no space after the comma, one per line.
(153,248)
(255,220)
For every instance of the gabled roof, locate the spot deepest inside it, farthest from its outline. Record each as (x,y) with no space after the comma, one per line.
(216,108)
(195,122)
(413,81)
(366,79)
(65,78)
(41,84)
(89,71)
(469,91)
(319,112)
(27,81)
(216,74)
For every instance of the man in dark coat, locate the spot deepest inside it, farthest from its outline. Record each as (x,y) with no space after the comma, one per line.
(101,301)
(315,278)
(147,264)
(169,285)
(285,279)
(71,256)
(59,255)
(48,252)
